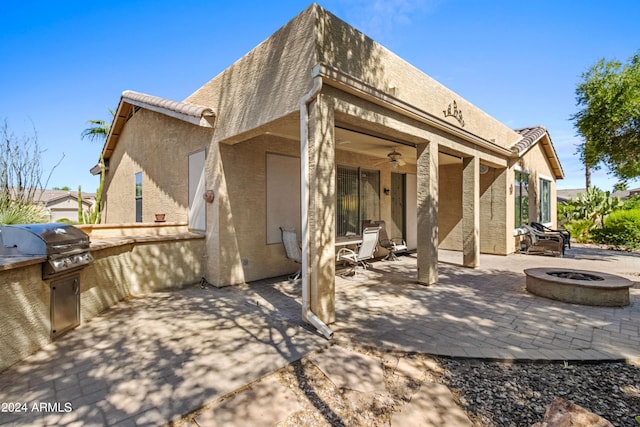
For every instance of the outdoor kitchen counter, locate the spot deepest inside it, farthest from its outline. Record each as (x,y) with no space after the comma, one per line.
(9,262)
(99,243)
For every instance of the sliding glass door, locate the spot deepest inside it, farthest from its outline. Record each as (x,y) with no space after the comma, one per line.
(357,199)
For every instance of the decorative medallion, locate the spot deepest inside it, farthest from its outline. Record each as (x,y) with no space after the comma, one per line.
(452,111)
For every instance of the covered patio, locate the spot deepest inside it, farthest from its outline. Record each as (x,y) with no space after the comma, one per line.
(152,359)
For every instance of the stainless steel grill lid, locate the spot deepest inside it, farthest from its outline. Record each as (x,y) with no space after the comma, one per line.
(66,247)
(44,239)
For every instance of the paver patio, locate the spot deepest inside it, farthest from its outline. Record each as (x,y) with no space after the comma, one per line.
(149,360)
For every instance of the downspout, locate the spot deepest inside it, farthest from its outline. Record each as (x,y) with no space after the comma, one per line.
(307,315)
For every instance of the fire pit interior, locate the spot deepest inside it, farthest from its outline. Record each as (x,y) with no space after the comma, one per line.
(579,286)
(575,275)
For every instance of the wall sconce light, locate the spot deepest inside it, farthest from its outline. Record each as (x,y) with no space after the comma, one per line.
(387,191)
(209,196)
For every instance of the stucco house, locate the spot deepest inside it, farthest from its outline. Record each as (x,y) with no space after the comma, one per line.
(63,204)
(320,128)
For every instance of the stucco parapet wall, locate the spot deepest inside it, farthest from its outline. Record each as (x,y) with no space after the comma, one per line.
(340,80)
(100,231)
(110,242)
(197,114)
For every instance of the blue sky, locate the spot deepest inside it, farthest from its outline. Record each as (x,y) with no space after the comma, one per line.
(66,62)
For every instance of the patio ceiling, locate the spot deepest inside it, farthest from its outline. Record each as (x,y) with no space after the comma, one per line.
(361,142)
(376,146)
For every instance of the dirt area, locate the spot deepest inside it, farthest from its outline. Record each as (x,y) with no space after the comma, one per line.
(491,393)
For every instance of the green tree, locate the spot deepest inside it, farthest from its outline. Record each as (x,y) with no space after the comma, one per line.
(609,120)
(98,130)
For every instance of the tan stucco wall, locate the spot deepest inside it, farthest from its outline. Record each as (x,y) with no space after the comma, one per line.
(359,56)
(266,83)
(536,163)
(24,313)
(496,223)
(257,98)
(122,268)
(450,207)
(237,224)
(159,147)
(280,69)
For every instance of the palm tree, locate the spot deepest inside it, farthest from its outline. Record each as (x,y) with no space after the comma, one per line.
(98,130)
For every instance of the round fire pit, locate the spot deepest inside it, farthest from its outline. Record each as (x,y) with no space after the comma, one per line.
(579,286)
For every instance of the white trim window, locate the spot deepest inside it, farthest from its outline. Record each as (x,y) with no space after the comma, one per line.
(545,201)
(138,196)
(521,199)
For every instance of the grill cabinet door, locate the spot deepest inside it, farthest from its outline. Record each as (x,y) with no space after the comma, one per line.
(65,305)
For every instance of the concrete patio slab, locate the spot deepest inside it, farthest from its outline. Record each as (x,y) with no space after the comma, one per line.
(264,403)
(432,405)
(350,370)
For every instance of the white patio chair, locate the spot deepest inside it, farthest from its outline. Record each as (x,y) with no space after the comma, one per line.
(292,251)
(365,252)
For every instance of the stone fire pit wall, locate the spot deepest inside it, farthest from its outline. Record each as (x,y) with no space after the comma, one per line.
(129,261)
(579,286)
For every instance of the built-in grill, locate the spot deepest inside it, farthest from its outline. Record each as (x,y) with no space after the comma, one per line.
(65,247)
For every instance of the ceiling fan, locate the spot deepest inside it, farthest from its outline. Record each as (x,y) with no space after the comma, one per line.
(395,159)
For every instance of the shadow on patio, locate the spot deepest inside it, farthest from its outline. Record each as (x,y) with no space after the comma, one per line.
(151,359)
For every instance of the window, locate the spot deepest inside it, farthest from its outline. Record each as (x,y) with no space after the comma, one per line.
(138,196)
(545,201)
(357,199)
(521,198)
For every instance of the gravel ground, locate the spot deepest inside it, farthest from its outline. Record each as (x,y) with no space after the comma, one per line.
(517,394)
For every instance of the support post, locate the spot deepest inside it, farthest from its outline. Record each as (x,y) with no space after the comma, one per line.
(471,211)
(427,201)
(321,209)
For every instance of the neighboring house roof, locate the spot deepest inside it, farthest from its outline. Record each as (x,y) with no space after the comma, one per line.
(571,193)
(52,197)
(625,194)
(192,113)
(538,134)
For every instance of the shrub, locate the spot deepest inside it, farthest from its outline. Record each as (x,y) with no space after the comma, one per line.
(15,212)
(621,229)
(580,229)
(632,202)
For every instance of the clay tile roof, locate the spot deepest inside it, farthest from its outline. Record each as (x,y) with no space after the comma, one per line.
(166,106)
(198,115)
(530,136)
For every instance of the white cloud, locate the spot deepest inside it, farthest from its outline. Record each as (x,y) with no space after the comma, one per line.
(379,18)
